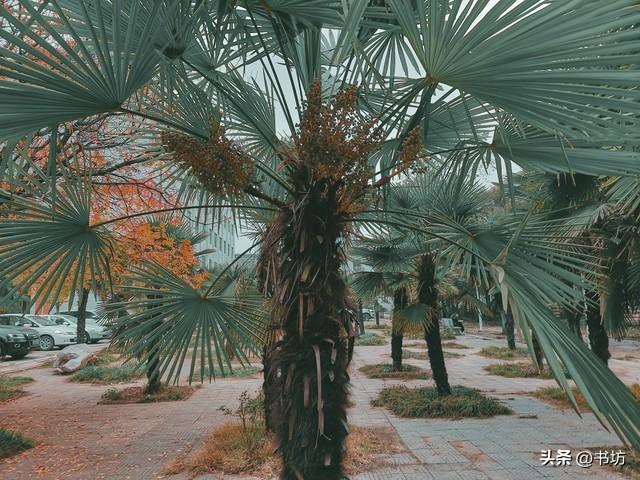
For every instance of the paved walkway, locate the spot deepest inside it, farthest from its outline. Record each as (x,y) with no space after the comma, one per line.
(81,440)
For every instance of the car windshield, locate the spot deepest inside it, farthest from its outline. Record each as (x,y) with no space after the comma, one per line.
(43,322)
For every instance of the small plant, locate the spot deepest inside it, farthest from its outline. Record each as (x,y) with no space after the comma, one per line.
(112,395)
(517,370)
(108,375)
(370,339)
(12,443)
(250,411)
(10,387)
(426,403)
(503,353)
(408,372)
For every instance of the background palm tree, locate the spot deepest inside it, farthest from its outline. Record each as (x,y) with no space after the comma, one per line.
(466,83)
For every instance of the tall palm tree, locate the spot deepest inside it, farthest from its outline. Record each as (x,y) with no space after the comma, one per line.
(363,92)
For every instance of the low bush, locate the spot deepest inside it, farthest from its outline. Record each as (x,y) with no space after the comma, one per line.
(385,370)
(517,370)
(107,375)
(11,387)
(426,403)
(12,443)
(503,353)
(168,393)
(370,339)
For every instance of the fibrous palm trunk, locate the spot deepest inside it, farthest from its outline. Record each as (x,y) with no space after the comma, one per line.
(428,295)
(82,317)
(573,321)
(598,338)
(400,301)
(510,329)
(309,366)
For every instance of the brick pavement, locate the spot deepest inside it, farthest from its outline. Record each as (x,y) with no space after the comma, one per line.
(84,441)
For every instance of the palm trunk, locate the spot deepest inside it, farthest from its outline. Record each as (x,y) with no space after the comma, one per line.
(400,301)
(537,351)
(81,325)
(309,367)
(428,295)
(510,329)
(598,338)
(573,321)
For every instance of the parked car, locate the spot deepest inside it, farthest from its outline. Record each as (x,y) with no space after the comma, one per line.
(13,342)
(91,318)
(16,321)
(51,335)
(92,331)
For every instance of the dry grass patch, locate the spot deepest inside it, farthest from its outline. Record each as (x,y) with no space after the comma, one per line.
(382,326)
(370,339)
(556,397)
(11,387)
(424,356)
(385,370)
(137,395)
(455,345)
(503,353)
(426,403)
(517,370)
(631,467)
(234,449)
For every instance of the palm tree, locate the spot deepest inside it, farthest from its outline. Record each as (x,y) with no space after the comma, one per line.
(377,89)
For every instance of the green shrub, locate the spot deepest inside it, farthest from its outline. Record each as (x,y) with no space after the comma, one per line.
(112,395)
(370,339)
(503,353)
(12,443)
(107,375)
(517,370)
(10,387)
(426,403)
(408,372)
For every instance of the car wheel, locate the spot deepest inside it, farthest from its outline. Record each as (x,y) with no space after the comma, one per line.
(46,343)
(87,338)
(366,317)
(18,356)
(2,351)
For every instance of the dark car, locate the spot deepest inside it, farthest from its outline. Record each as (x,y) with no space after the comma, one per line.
(13,342)
(18,321)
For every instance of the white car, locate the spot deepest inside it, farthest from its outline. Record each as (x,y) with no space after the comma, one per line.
(92,331)
(51,334)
